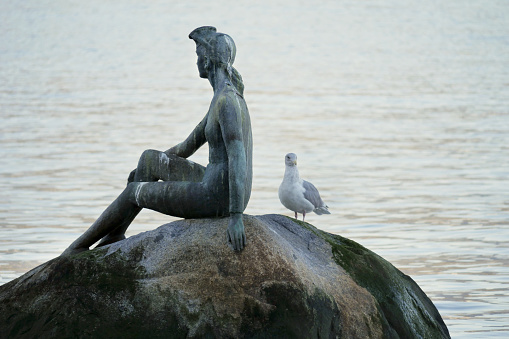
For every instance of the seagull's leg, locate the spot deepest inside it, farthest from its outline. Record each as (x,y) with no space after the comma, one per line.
(303,215)
(295,215)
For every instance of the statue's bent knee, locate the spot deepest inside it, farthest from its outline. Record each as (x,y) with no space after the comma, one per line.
(149,154)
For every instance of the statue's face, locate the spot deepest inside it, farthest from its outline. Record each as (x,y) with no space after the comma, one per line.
(203,62)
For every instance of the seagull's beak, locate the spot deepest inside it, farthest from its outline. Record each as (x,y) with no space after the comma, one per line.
(295,162)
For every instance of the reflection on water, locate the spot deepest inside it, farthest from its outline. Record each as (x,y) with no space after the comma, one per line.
(399,113)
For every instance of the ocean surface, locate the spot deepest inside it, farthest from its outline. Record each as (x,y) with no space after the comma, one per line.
(398,111)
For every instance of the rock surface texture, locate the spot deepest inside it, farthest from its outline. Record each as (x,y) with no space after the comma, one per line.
(182,281)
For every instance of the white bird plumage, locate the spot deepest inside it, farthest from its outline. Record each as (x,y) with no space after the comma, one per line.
(299,195)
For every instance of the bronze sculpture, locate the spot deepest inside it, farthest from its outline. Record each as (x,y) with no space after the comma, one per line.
(169,183)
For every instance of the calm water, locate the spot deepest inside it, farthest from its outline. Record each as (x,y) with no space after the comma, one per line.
(398,111)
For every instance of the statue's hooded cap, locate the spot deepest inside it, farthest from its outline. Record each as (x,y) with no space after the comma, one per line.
(220,47)
(220,50)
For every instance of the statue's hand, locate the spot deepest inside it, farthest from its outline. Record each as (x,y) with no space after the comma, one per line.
(131,176)
(235,235)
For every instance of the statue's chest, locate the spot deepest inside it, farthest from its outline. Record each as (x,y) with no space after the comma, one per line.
(212,129)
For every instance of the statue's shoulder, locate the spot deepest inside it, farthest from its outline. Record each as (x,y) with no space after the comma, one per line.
(232,91)
(227,97)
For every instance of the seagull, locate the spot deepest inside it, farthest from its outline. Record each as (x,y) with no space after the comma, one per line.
(299,195)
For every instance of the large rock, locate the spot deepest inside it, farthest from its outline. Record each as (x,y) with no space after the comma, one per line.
(181,280)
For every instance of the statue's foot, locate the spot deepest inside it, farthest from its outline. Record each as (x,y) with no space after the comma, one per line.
(72,250)
(110,239)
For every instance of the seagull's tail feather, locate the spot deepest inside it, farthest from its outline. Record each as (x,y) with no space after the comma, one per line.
(321,210)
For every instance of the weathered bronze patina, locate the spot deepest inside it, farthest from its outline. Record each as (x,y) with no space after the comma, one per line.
(169,183)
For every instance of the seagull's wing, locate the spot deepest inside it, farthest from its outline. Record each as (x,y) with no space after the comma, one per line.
(311,194)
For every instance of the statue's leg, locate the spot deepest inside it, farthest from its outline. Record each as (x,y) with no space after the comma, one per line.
(184,192)
(118,233)
(114,221)
(154,166)
(183,199)
(118,213)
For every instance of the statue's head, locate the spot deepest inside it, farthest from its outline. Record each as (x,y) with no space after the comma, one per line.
(216,49)
(219,47)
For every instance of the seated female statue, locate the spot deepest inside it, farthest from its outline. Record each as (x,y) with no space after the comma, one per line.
(169,183)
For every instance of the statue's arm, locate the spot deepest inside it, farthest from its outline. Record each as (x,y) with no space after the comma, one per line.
(192,143)
(230,121)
